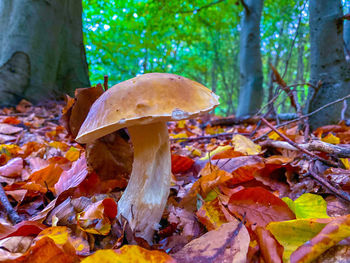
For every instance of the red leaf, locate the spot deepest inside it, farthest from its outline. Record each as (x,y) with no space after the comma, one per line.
(110,208)
(25,228)
(260,206)
(180,163)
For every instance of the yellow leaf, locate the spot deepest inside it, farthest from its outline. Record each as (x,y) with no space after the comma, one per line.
(215,151)
(72,154)
(129,254)
(308,206)
(330,138)
(211,215)
(244,145)
(59,145)
(292,234)
(62,236)
(179,135)
(345,162)
(273,136)
(181,124)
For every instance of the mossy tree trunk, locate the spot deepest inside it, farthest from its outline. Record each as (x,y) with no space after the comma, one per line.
(42,54)
(328,66)
(251,77)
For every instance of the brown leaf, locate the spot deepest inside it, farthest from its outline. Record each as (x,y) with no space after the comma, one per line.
(229,243)
(9,129)
(13,168)
(271,250)
(85,97)
(110,157)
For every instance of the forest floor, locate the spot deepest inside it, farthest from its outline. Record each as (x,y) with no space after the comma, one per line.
(233,198)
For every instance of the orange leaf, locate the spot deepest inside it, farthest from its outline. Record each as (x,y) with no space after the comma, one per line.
(11,120)
(47,176)
(46,251)
(260,206)
(73,177)
(211,214)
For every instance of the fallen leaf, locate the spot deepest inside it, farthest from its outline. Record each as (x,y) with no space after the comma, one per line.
(292,234)
(259,206)
(25,228)
(110,157)
(211,215)
(128,254)
(308,206)
(46,251)
(229,243)
(180,163)
(9,129)
(244,145)
(73,177)
(335,231)
(13,168)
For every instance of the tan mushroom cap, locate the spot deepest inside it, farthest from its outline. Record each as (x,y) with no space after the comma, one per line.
(146,99)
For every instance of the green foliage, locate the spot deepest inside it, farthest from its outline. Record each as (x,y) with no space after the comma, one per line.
(197,40)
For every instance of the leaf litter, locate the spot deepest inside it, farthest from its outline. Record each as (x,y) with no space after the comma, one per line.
(232,199)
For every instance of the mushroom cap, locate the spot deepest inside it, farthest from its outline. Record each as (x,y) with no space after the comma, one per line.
(146,99)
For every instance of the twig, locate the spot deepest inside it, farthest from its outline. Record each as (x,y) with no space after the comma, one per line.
(304,116)
(331,163)
(294,39)
(338,192)
(201,8)
(198,138)
(342,152)
(12,214)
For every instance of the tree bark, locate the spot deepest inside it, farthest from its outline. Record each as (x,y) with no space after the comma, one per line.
(328,65)
(347,36)
(41,44)
(251,77)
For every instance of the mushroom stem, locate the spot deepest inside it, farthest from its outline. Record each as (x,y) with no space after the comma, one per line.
(145,197)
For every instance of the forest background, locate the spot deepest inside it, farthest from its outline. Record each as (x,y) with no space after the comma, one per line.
(200,41)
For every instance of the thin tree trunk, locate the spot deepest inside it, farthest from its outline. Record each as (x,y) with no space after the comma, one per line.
(328,65)
(41,44)
(251,79)
(347,36)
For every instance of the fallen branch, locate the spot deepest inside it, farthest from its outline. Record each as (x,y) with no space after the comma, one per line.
(304,116)
(249,120)
(338,151)
(328,162)
(207,137)
(12,214)
(338,192)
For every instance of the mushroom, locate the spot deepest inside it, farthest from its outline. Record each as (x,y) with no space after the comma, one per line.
(144,104)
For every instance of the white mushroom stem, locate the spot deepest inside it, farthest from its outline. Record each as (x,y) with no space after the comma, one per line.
(145,197)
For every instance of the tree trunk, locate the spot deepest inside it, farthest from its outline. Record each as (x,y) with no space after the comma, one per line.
(347,37)
(251,77)
(42,55)
(328,65)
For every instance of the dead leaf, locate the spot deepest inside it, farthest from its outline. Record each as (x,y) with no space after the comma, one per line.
(229,243)
(73,177)
(129,254)
(259,206)
(9,129)
(110,157)
(13,168)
